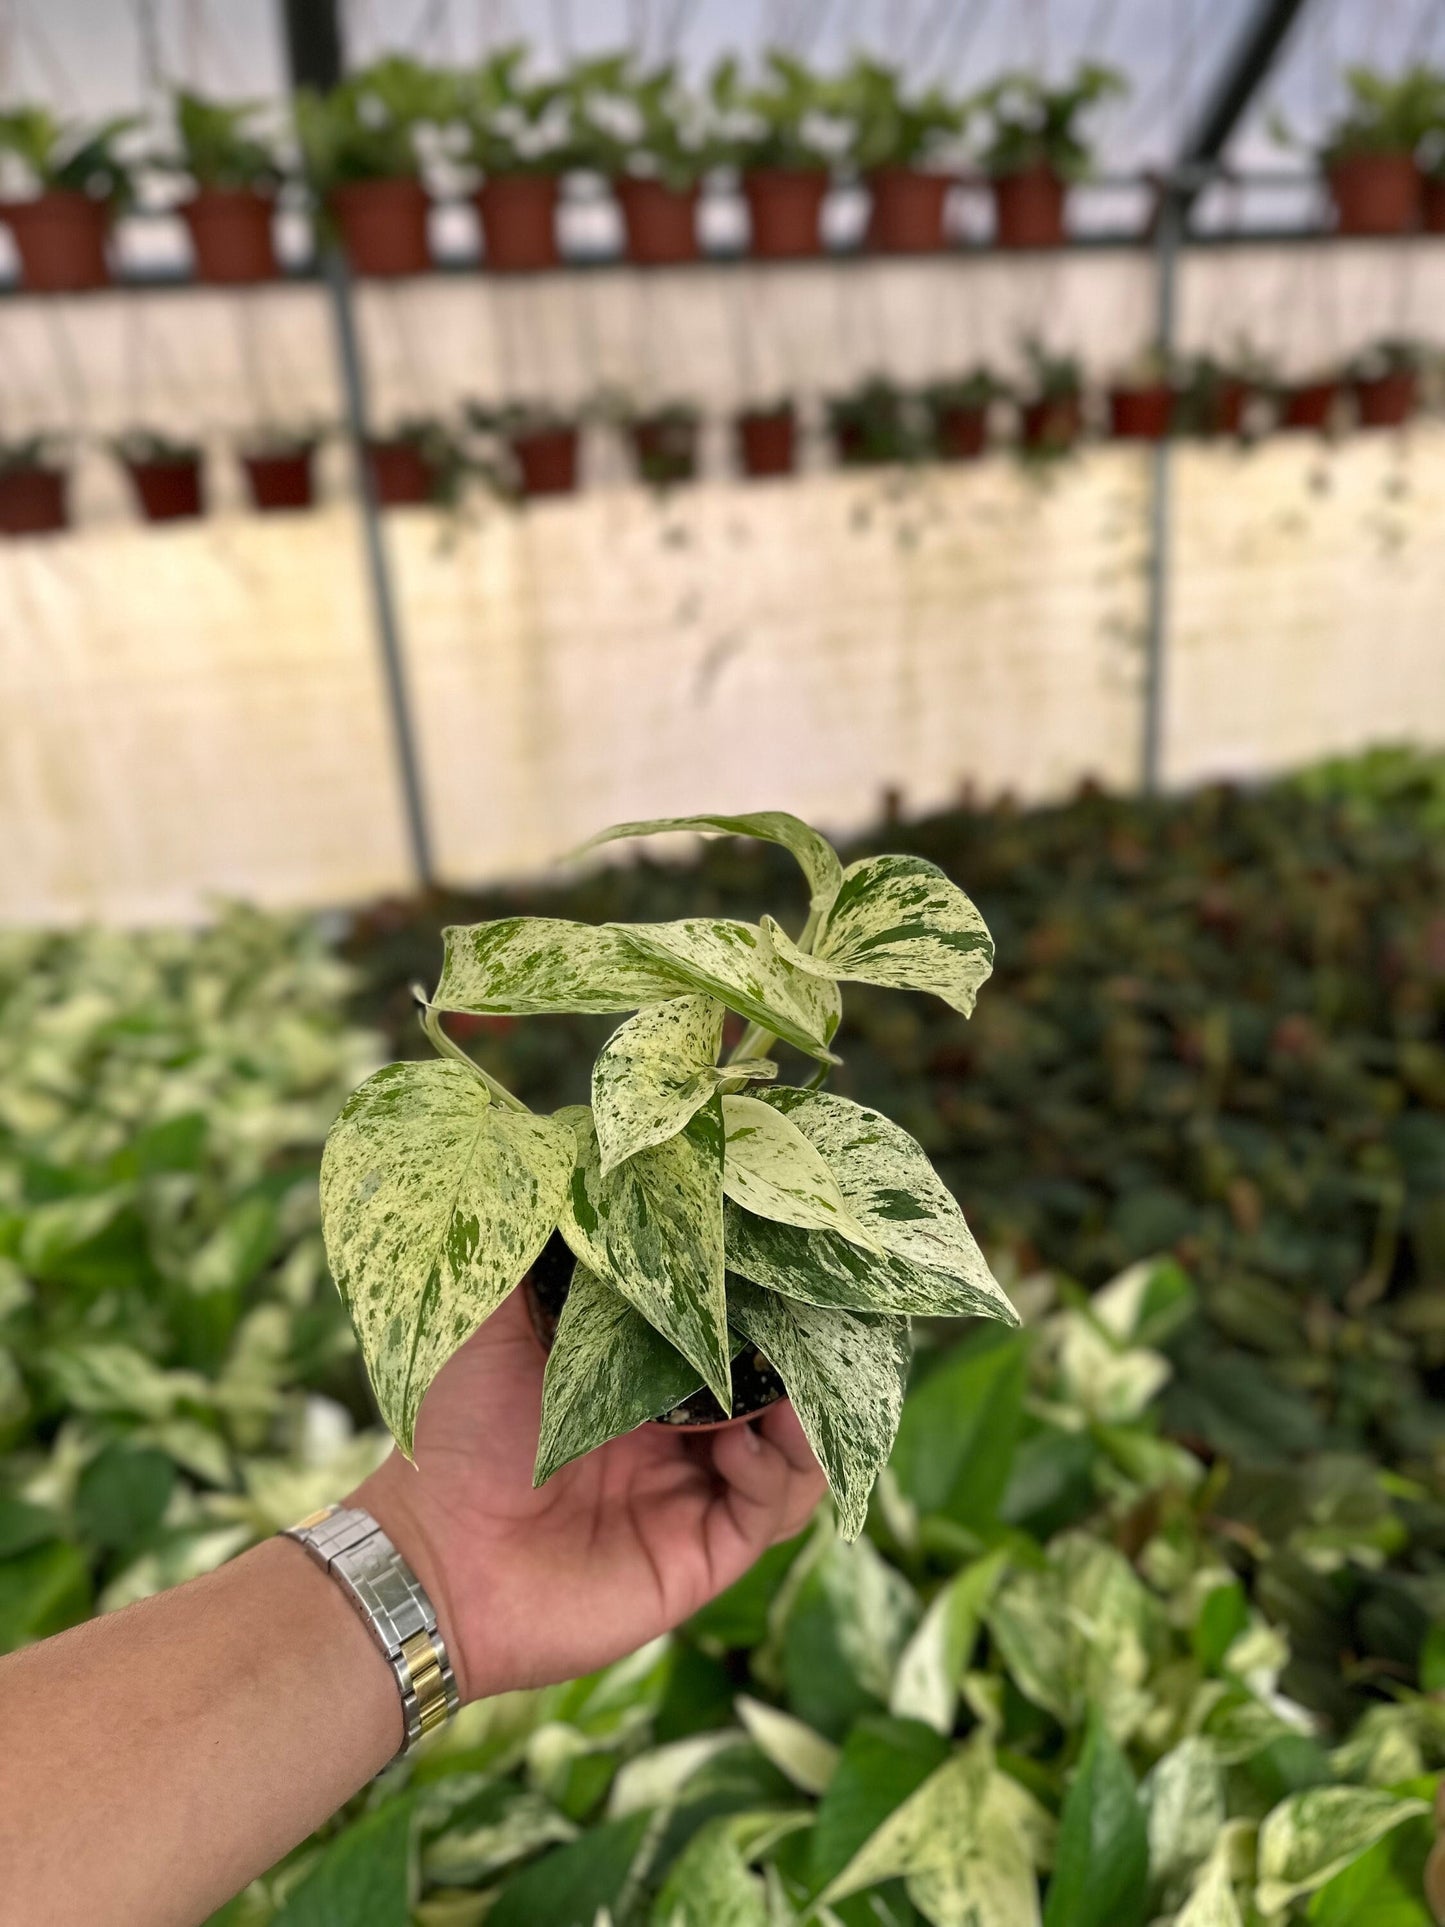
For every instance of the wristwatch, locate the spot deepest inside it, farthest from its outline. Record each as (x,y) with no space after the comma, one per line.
(351,1546)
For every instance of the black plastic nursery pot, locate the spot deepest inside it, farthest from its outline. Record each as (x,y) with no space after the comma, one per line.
(167,491)
(546,460)
(767,441)
(660,222)
(518,213)
(60,238)
(1387,401)
(1141,414)
(383,225)
(279,481)
(33,501)
(1029,209)
(756,1385)
(785,210)
(907,212)
(1374,193)
(401,475)
(230,229)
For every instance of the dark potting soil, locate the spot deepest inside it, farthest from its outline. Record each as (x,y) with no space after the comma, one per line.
(755,1384)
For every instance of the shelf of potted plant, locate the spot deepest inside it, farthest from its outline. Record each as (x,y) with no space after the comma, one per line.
(767,438)
(1368,157)
(650,136)
(700,1239)
(361,142)
(234,176)
(1385,379)
(958,414)
(278,467)
(1035,149)
(164,472)
(785,133)
(34,489)
(516,132)
(904,142)
(72,181)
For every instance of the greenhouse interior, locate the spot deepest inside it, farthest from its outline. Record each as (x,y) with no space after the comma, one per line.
(478,482)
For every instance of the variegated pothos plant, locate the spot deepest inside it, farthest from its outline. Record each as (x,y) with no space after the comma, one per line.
(707,1207)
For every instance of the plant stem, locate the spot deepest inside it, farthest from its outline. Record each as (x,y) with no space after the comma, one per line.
(430,1019)
(756,1040)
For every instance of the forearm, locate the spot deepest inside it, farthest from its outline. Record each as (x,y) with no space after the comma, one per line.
(155,1761)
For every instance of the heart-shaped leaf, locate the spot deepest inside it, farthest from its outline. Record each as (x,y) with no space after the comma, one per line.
(529,966)
(816,856)
(608,1372)
(775,1172)
(653,1072)
(845,1375)
(653,1229)
(739,964)
(434,1202)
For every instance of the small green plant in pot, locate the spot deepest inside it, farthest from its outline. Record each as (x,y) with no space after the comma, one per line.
(234,174)
(165,474)
(363,148)
(1051,414)
(876,423)
(1386,378)
(958,413)
(1036,148)
(905,143)
(707,1238)
(1369,156)
(784,132)
(33,487)
(517,132)
(653,139)
(72,181)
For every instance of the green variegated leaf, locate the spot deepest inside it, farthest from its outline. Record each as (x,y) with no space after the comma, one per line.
(794,1748)
(932,1265)
(1184,1802)
(709,1885)
(739,965)
(1310,1836)
(775,1172)
(898,920)
(845,1375)
(434,1203)
(816,856)
(528,966)
(925,1687)
(608,1372)
(653,1229)
(653,1072)
(1211,1901)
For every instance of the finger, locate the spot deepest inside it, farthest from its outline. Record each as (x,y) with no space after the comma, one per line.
(768,1496)
(781,1426)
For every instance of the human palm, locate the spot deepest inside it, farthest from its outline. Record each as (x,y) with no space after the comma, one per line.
(534,1586)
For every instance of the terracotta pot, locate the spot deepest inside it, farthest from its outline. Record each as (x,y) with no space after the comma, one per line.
(1053,423)
(400,474)
(960,434)
(1310,405)
(907,212)
(767,440)
(1374,193)
(1141,414)
(33,501)
(1388,401)
(665,451)
(519,221)
(1432,203)
(383,225)
(1230,401)
(167,491)
(279,481)
(660,222)
(231,234)
(785,210)
(1029,209)
(547,460)
(61,241)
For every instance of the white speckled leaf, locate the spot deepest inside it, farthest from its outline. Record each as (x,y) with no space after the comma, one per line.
(739,965)
(653,1072)
(898,920)
(1310,1836)
(1211,1901)
(775,1172)
(653,1229)
(845,1375)
(816,856)
(434,1203)
(608,1372)
(794,1748)
(528,966)
(925,1686)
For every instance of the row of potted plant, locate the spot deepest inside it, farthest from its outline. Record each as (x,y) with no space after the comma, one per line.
(520,451)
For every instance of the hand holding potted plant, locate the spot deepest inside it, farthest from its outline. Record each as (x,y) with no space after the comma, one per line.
(785,133)
(905,145)
(698,1239)
(32,488)
(652,138)
(235,176)
(1035,149)
(362,147)
(165,474)
(73,182)
(518,133)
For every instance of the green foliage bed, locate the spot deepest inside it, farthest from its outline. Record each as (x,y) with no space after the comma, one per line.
(1143,1626)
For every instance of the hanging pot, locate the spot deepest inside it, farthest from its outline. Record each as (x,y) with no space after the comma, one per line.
(1227,408)
(660,221)
(230,231)
(665,449)
(960,434)
(766,439)
(906,216)
(756,1386)
(60,237)
(383,225)
(519,221)
(1029,208)
(1141,414)
(1374,193)
(401,475)
(1387,401)
(167,491)
(785,210)
(1053,423)
(33,501)
(1432,203)
(546,460)
(279,481)
(1310,405)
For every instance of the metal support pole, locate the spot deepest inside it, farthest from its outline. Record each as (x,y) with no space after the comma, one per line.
(1166,257)
(313,41)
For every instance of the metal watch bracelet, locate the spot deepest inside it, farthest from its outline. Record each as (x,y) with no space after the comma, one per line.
(352,1547)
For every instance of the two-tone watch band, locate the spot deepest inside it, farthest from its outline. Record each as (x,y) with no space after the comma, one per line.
(352,1547)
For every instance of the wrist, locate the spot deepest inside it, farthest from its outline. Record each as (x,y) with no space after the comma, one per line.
(390,1496)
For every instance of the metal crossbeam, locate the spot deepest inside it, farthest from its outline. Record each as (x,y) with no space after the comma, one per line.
(1253,55)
